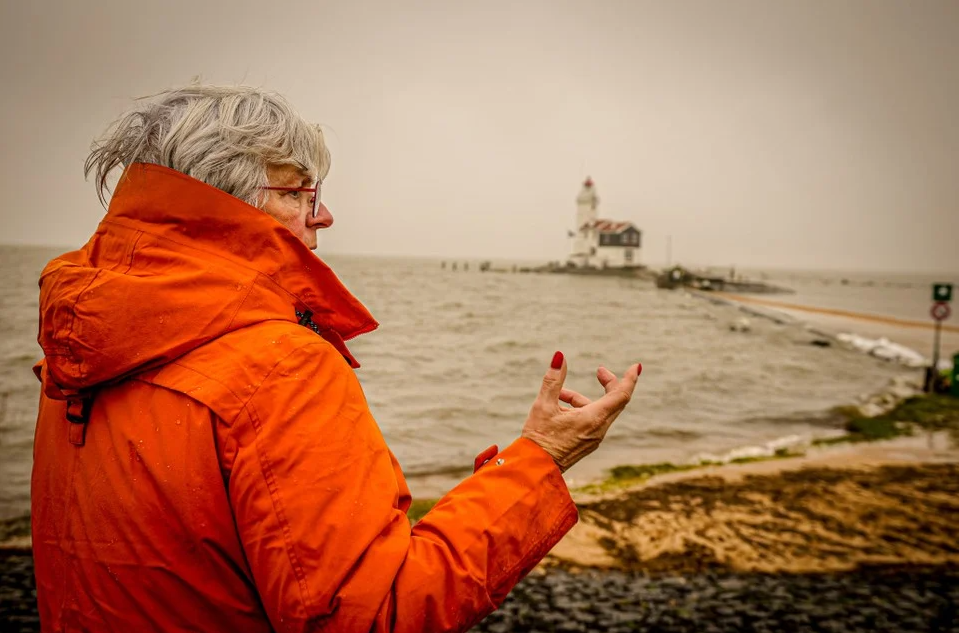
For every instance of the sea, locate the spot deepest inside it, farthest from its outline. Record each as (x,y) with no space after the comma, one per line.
(460,354)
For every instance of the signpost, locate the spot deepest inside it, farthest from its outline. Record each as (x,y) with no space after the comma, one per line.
(942,292)
(941,296)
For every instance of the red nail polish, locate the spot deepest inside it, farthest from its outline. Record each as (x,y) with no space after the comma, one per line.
(640,370)
(557,360)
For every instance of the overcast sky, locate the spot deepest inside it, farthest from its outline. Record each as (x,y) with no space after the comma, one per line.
(803,134)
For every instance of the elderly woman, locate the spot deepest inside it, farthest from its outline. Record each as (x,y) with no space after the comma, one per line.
(205,459)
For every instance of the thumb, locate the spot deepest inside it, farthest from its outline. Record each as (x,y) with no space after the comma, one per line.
(554,379)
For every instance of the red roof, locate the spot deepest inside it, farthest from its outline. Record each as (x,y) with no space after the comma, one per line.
(608,226)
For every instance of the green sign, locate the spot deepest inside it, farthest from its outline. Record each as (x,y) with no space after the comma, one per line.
(942,292)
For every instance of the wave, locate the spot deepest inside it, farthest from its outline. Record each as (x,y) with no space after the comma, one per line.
(780,446)
(24,357)
(898,390)
(448,470)
(878,347)
(671,433)
(511,345)
(885,349)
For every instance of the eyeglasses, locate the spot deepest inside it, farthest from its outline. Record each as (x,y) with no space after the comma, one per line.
(315,190)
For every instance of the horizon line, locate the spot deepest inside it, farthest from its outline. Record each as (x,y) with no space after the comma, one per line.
(481,258)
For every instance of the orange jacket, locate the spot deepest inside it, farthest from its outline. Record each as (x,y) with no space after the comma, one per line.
(204,462)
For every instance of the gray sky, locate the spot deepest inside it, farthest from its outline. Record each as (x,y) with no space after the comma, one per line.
(808,133)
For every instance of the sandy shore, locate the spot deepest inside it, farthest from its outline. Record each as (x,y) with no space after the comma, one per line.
(834,509)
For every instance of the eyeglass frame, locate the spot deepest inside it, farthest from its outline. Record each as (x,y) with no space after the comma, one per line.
(315,190)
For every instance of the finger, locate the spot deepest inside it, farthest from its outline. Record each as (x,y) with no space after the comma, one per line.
(619,392)
(606,378)
(554,379)
(573,398)
(628,382)
(630,378)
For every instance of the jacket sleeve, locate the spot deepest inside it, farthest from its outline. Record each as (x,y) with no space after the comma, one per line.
(322,515)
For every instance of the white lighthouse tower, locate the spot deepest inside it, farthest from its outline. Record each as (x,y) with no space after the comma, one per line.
(587,205)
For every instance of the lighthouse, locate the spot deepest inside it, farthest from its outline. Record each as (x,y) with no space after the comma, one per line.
(601,244)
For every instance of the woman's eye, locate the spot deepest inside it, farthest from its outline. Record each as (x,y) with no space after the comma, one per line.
(295,194)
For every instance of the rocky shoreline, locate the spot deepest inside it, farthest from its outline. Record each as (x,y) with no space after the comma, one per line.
(18,598)
(894,599)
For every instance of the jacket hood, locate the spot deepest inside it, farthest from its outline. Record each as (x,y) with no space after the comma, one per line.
(174,264)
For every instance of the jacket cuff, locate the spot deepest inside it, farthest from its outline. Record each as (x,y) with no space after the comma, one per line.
(543,504)
(524,449)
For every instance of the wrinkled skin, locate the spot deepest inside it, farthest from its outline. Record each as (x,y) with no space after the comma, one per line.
(570,434)
(293,209)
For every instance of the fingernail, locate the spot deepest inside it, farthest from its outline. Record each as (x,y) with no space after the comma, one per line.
(557,360)
(640,370)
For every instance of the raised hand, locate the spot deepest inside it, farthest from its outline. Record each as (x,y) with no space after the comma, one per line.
(571,433)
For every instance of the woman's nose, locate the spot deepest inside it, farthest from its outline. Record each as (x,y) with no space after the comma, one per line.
(323,219)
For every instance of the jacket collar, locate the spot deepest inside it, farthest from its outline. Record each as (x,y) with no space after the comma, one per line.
(171,205)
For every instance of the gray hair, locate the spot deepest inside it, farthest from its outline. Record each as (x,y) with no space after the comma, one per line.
(225,136)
